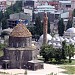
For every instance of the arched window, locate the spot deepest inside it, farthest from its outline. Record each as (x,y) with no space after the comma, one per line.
(17,44)
(12,45)
(23,44)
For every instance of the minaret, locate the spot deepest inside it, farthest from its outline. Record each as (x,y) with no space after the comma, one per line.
(45,21)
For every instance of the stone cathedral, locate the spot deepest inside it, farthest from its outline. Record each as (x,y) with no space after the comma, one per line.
(20,52)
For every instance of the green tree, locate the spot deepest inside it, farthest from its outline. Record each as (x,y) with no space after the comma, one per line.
(16,8)
(67,50)
(31,29)
(48,26)
(2,46)
(64,50)
(61,27)
(47,52)
(73,14)
(1,15)
(71,50)
(58,54)
(4,23)
(69,24)
(38,26)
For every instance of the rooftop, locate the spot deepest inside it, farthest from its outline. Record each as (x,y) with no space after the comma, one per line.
(20,31)
(35,61)
(22,49)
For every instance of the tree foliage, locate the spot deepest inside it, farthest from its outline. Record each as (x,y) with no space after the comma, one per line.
(50,53)
(47,52)
(61,27)
(67,50)
(1,15)
(38,26)
(48,27)
(58,54)
(70,49)
(2,46)
(16,8)
(73,14)
(64,50)
(69,24)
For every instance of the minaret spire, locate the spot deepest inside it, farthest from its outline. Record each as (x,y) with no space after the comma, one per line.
(45,26)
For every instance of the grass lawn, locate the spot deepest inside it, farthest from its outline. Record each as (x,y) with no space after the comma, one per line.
(67,63)
(1,53)
(5,73)
(69,69)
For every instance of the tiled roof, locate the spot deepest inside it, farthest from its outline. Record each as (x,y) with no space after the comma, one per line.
(20,31)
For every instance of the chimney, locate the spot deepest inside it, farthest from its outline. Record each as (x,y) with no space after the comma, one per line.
(45,26)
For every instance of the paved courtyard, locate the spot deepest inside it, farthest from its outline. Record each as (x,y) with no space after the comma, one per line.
(48,68)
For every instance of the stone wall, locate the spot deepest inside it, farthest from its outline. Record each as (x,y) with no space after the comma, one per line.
(19,58)
(19,41)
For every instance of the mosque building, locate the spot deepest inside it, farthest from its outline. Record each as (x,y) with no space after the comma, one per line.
(56,40)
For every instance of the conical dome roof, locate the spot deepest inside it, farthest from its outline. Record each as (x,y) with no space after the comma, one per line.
(20,31)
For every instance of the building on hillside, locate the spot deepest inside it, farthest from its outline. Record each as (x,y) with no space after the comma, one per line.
(64,5)
(14,19)
(29,11)
(21,53)
(28,7)
(72,4)
(51,16)
(3,5)
(46,8)
(28,3)
(10,2)
(39,11)
(54,3)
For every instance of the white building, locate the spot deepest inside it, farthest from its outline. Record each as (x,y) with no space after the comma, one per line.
(65,5)
(2,5)
(10,2)
(28,11)
(46,8)
(56,40)
(73,4)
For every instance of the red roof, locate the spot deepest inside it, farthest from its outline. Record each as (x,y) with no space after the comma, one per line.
(53,3)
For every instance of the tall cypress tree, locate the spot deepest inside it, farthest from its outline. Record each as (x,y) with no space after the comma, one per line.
(64,50)
(73,14)
(48,26)
(69,24)
(61,27)
(38,26)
